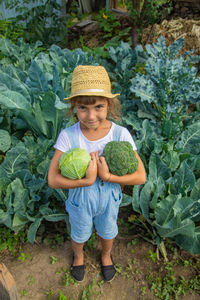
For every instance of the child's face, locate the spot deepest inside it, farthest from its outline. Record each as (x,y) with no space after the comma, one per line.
(92,115)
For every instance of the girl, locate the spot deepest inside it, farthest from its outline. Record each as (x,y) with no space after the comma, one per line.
(94,199)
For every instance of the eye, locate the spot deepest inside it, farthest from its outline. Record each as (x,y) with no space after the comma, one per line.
(81,108)
(99,107)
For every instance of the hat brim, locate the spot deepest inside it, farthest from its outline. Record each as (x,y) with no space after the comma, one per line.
(106,95)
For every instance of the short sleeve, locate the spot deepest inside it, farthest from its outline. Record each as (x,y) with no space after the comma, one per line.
(126,136)
(62,142)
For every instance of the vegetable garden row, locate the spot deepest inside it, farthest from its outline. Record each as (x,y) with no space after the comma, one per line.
(160,96)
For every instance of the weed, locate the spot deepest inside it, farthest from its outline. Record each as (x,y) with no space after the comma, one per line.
(61,296)
(153,256)
(143,290)
(10,240)
(118,268)
(23,293)
(49,294)
(133,242)
(23,256)
(129,271)
(53,260)
(170,286)
(31,280)
(67,278)
(93,290)
(57,240)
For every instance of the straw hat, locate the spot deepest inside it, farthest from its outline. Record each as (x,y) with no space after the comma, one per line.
(90,81)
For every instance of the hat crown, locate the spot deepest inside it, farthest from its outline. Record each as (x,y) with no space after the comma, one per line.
(90,78)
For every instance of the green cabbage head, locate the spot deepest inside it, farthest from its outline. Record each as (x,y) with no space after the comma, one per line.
(120,158)
(74,163)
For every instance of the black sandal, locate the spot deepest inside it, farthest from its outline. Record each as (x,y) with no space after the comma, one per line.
(77,272)
(108,272)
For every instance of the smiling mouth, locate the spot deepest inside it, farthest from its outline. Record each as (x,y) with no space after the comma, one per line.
(92,122)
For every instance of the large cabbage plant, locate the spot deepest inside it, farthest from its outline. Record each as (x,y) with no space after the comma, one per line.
(167,131)
(73,163)
(32,87)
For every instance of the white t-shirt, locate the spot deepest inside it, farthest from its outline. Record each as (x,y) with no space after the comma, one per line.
(63,142)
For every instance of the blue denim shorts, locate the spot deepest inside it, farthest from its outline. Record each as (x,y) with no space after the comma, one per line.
(97,204)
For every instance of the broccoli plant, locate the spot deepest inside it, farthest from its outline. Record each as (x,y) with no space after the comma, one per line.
(120,157)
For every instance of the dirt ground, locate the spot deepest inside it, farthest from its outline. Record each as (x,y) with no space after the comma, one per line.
(45,271)
(176,26)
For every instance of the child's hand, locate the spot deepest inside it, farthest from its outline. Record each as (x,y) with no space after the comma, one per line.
(91,173)
(103,170)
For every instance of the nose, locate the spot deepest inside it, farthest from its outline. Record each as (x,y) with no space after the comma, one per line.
(91,114)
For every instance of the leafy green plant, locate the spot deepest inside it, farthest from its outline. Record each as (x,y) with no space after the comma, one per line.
(148,11)
(23,293)
(40,21)
(19,54)
(129,271)
(36,89)
(67,278)
(169,85)
(11,241)
(120,158)
(49,293)
(92,290)
(156,87)
(170,286)
(122,71)
(10,30)
(143,290)
(153,255)
(61,296)
(53,260)
(103,51)
(74,163)
(167,139)
(23,257)
(55,240)
(108,21)
(145,12)
(133,242)
(31,280)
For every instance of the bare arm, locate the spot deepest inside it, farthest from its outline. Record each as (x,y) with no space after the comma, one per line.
(136,178)
(58,181)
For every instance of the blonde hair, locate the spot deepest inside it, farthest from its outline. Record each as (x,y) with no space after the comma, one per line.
(114,105)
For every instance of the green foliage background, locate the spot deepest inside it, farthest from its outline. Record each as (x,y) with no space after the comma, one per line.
(157,86)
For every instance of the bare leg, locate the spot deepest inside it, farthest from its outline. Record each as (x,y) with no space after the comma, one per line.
(106,251)
(78,253)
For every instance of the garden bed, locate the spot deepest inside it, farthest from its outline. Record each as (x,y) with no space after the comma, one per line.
(41,270)
(166,128)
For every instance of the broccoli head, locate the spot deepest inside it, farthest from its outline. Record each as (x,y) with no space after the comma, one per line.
(120,158)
